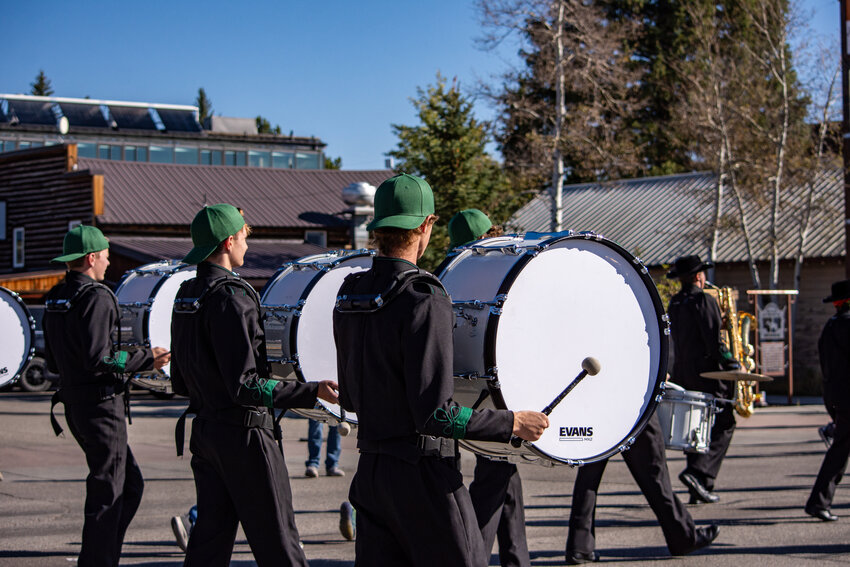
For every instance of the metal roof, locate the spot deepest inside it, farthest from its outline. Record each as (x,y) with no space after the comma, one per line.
(661,218)
(142,193)
(263,258)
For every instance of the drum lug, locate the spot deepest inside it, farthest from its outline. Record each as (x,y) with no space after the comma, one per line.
(638,262)
(473,321)
(590,235)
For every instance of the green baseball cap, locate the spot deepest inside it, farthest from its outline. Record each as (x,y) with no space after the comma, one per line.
(81,240)
(210,227)
(403,201)
(466,226)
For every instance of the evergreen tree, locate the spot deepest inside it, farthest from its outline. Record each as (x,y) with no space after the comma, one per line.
(41,86)
(447,149)
(333,163)
(265,127)
(204,104)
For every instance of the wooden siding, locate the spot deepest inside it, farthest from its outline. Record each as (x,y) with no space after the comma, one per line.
(42,194)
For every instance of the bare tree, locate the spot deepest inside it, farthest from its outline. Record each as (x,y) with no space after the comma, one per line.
(567,109)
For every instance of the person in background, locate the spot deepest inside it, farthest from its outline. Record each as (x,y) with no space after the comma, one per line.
(314,450)
(834,351)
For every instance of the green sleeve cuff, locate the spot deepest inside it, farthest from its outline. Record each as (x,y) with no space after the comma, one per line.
(455,419)
(267,392)
(118,362)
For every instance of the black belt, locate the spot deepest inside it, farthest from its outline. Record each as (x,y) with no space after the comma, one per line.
(93,394)
(248,417)
(411,447)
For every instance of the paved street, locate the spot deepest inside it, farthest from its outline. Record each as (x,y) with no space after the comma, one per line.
(764,483)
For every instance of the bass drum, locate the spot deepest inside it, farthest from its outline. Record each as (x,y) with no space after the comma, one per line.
(17,335)
(146,298)
(299,303)
(528,310)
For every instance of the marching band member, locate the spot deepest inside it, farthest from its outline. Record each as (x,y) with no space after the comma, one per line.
(219,362)
(695,323)
(393,333)
(647,462)
(80,320)
(496,489)
(834,350)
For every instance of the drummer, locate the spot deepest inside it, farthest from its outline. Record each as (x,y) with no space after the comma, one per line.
(79,322)
(496,489)
(393,329)
(695,324)
(219,362)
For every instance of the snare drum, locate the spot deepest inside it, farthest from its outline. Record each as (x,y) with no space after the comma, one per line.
(528,310)
(299,303)
(17,336)
(686,418)
(146,298)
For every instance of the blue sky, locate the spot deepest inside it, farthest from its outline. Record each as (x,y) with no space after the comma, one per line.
(340,70)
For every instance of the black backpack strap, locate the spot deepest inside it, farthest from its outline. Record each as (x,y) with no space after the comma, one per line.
(180,428)
(348,302)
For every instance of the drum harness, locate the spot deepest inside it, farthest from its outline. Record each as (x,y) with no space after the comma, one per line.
(87,394)
(369,303)
(240,415)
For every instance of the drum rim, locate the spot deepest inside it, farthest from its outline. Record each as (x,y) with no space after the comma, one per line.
(489,347)
(31,351)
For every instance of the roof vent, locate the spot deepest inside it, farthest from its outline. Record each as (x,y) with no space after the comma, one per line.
(359,193)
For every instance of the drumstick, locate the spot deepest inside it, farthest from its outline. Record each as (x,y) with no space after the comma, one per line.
(588,366)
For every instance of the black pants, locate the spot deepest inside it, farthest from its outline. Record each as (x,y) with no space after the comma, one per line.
(648,464)
(414,514)
(114,484)
(240,477)
(834,462)
(706,466)
(496,493)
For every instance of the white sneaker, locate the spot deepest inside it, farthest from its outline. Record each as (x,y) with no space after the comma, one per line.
(181,533)
(311,472)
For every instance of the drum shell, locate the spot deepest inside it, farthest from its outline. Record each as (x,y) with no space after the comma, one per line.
(146,298)
(17,336)
(505,284)
(686,418)
(298,307)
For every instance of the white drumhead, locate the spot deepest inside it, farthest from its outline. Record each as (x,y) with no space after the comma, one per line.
(159,318)
(580,298)
(16,336)
(314,340)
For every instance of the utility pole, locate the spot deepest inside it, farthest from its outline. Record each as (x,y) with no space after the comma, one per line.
(845,130)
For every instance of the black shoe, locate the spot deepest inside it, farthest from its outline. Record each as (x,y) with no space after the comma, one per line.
(699,493)
(579,557)
(824,515)
(704,537)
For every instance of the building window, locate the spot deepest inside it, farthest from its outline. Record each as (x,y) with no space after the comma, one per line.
(86,150)
(24,145)
(283,160)
(161,154)
(317,237)
(103,152)
(18,248)
(306,161)
(186,156)
(216,157)
(235,158)
(259,159)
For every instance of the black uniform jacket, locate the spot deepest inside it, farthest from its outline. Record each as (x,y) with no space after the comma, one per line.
(834,349)
(695,324)
(79,342)
(395,365)
(218,355)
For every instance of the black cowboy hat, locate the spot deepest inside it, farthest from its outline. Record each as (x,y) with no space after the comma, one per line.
(840,291)
(687,266)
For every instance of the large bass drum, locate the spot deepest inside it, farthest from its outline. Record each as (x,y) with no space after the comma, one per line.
(146,298)
(17,336)
(299,303)
(528,310)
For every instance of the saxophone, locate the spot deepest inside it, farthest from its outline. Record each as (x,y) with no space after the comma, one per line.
(736,337)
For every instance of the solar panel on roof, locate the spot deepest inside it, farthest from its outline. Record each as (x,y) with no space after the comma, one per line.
(179,120)
(32,112)
(83,114)
(132,117)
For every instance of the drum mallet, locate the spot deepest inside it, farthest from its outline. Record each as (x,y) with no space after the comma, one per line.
(588,366)
(344,428)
